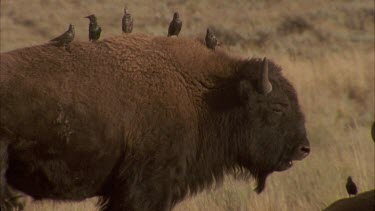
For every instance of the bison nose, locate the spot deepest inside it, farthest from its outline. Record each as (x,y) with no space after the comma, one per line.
(301,152)
(305,149)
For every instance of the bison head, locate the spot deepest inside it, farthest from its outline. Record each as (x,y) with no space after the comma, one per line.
(270,132)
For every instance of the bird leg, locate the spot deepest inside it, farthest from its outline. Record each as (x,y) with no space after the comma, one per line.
(67,48)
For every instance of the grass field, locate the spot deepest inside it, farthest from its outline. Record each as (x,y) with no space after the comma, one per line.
(326,49)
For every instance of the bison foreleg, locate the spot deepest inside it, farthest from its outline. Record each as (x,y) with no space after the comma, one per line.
(3,167)
(139,193)
(8,200)
(138,199)
(12,201)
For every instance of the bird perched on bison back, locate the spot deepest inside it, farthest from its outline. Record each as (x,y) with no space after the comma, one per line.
(127,22)
(94,28)
(65,39)
(211,41)
(351,187)
(175,25)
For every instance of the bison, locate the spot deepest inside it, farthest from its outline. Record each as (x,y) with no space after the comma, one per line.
(142,121)
(362,202)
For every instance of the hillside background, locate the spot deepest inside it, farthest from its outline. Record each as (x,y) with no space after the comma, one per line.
(326,49)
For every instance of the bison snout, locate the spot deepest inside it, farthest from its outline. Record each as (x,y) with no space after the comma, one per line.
(301,152)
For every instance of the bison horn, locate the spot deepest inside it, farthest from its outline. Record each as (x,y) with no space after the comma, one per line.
(266,86)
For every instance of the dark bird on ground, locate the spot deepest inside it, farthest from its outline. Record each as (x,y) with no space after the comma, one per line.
(175,25)
(211,41)
(351,187)
(65,39)
(127,22)
(94,29)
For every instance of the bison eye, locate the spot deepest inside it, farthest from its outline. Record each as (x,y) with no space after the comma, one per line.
(277,111)
(275,114)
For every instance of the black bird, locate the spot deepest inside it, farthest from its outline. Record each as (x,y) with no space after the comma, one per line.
(64,39)
(211,41)
(94,29)
(351,188)
(175,25)
(127,22)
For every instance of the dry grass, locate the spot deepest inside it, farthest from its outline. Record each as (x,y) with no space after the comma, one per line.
(327,52)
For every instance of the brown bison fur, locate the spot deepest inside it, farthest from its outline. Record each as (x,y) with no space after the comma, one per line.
(362,202)
(142,121)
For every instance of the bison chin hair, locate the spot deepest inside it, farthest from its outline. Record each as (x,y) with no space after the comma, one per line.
(260,176)
(261,181)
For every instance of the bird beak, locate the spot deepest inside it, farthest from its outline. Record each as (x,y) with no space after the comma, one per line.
(87,17)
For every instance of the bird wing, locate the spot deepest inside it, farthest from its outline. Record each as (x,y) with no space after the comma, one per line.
(91,35)
(178,26)
(170,28)
(99,32)
(123,23)
(60,37)
(130,25)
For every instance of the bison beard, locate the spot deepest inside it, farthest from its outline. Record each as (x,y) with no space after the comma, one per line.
(142,121)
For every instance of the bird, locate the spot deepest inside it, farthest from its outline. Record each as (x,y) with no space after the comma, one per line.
(175,25)
(65,39)
(351,188)
(211,41)
(94,28)
(127,22)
